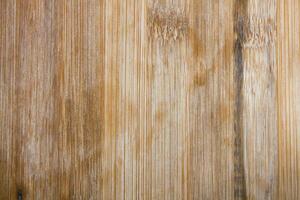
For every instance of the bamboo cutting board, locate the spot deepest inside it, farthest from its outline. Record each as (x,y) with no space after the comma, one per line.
(146,99)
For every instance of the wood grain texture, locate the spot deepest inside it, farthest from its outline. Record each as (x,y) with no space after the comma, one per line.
(258,104)
(149,99)
(288,59)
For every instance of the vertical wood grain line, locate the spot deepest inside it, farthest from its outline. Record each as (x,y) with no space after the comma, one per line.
(259,125)
(288,86)
(239,170)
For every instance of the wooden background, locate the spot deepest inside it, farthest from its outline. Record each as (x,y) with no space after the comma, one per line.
(136,99)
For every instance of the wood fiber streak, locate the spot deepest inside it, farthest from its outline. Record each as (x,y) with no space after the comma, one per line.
(288,60)
(240,11)
(149,99)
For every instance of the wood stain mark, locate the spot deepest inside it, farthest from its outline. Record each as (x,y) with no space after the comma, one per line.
(199,71)
(197,44)
(203,69)
(160,115)
(19,195)
(223,113)
(239,170)
(199,80)
(198,75)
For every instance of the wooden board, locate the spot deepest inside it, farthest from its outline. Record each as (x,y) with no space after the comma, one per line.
(149,99)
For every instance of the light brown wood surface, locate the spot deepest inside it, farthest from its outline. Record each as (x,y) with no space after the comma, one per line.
(145,99)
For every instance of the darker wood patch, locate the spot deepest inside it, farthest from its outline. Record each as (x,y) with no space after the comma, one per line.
(19,195)
(197,43)
(239,169)
(223,113)
(160,116)
(199,80)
